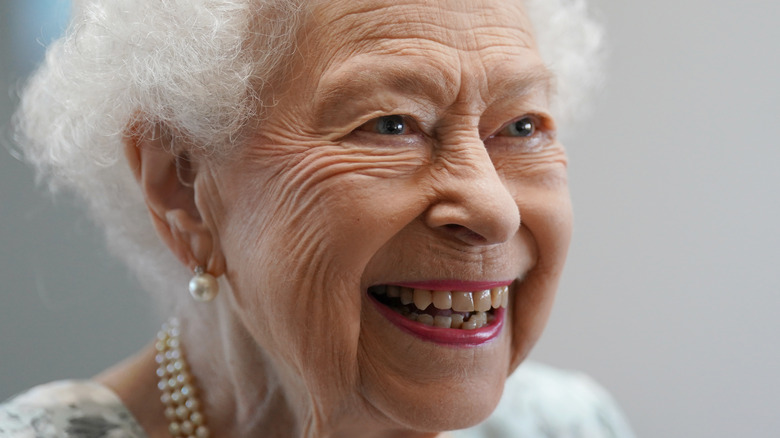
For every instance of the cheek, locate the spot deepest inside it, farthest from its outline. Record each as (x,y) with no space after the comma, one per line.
(303,203)
(539,184)
(300,226)
(546,215)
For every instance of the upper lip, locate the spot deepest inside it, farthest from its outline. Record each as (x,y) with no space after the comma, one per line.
(452,284)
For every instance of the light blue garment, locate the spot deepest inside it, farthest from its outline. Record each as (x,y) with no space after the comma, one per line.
(68,409)
(544,402)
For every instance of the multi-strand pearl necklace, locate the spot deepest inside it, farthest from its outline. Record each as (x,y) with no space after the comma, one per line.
(182,407)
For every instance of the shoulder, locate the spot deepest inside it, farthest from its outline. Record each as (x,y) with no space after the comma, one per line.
(541,401)
(68,408)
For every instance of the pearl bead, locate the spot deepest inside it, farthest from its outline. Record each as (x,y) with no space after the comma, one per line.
(203,287)
(182,412)
(187,428)
(196,418)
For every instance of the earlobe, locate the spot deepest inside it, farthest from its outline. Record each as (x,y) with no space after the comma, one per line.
(195,241)
(167,178)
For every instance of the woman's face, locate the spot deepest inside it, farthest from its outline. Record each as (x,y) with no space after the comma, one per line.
(411,145)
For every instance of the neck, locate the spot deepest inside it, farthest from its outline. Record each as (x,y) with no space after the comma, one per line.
(240,392)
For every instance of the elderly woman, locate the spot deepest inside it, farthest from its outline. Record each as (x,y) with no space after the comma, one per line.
(369,198)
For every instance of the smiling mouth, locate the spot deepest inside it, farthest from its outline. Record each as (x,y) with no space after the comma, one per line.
(443,309)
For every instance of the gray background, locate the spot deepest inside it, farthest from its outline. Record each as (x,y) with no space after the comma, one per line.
(672,294)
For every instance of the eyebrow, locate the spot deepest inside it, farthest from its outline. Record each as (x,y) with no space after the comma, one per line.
(427,82)
(524,81)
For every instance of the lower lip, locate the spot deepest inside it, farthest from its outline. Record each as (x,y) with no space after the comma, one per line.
(446,336)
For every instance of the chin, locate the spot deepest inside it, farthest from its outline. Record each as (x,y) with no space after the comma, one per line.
(417,384)
(448,405)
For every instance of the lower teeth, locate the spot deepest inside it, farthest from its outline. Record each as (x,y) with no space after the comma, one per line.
(456,320)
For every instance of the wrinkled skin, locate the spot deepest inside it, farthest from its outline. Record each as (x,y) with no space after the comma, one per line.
(320,205)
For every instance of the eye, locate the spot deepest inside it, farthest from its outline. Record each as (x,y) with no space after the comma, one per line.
(387,125)
(525,127)
(529,133)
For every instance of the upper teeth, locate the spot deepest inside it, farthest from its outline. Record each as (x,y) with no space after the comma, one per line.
(458,301)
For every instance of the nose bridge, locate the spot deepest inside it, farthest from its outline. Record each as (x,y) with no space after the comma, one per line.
(472,203)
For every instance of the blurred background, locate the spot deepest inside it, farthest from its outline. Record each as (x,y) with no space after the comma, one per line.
(671,297)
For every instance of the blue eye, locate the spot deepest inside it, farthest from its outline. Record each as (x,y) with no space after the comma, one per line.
(525,127)
(390,125)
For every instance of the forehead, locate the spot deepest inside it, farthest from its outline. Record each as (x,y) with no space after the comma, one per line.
(460,38)
(462,24)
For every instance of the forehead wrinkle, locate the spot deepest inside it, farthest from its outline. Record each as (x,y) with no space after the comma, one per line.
(362,81)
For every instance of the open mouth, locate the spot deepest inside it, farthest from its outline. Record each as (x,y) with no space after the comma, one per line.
(443,309)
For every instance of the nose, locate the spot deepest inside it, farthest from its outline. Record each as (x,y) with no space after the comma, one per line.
(473,204)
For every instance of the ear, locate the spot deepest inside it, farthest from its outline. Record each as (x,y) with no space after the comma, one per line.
(167,178)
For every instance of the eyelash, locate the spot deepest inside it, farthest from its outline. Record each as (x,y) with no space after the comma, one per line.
(388,121)
(529,124)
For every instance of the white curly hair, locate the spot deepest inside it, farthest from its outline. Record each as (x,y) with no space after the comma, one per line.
(199,66)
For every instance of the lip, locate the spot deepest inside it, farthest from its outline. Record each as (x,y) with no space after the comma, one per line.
(454,285)
(444,336)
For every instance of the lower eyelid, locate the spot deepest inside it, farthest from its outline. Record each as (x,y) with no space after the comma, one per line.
(372,138)
(536,142)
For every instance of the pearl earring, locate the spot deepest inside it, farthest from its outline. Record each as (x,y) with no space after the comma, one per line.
(203,286)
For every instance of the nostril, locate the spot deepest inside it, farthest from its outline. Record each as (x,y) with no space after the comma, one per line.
(464,233)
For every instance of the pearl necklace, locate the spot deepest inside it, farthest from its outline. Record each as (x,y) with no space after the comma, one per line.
(182,407)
